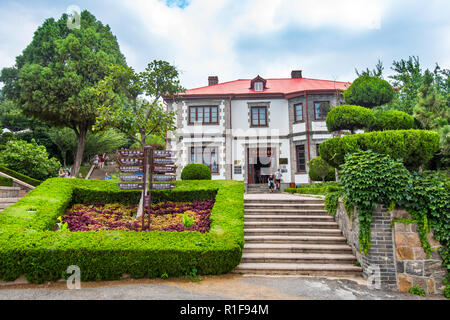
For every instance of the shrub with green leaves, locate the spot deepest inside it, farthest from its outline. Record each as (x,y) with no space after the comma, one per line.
(6,182)
(369,92)
(369,179)
(392,120)
(196,171)
(319,168)
(19,176)
(348,117)
(29,159)
(414,147)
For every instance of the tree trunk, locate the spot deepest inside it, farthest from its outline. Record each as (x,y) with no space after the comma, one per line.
(80,150)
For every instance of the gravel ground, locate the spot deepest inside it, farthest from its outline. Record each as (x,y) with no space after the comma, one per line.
(226,287)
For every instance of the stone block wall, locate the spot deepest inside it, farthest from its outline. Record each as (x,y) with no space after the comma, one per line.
(396,255)
(9,192)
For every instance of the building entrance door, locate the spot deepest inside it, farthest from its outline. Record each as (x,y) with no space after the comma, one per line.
(260,161)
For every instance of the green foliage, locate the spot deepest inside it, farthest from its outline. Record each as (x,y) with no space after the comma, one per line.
(392,120)
(5,182)
(29,159)
(332,201)
(417,291)
(124,108)
(331,175)
(369,92)
(414,147)
(196,171)
(19,176)
(187,221)
(369,179)
(53,78)
(348,117)
(29,247)
(319,167)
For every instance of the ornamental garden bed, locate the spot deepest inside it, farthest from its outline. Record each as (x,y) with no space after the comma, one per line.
(164,216)
(30,246)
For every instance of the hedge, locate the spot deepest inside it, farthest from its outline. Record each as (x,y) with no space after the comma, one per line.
(29,247)
(196,171)
(392,120)
(316,188)
(20,176)
(414,147)
(348,117)
(6,182)
(369,92)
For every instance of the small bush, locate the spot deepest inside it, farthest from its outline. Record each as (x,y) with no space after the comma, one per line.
(331,175)
(196,171)
(392,120)
(319,168)
(348,117)
(414,147)
(6,182)
(369,92)
(417,291)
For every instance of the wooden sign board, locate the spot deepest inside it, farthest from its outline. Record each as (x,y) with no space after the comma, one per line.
(134,169)
(156,178)
(130,186)
(132,153)
(163,154)
(147,201)
(132,178)
(163,162)
(131,161)
(164,169)
(163,186)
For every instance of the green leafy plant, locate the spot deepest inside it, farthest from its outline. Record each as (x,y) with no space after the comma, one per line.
(19,176)
(319,167)
(164,275)
(348,117)
(369,179)
(6,182)
(369,92)
(391,120)
(187,221)
(196,171)
(416,290)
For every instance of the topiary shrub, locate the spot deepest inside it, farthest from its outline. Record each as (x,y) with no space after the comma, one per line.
(392,120)
(369,92)
(348,117)
(414,147)
(196,171)
(319,169)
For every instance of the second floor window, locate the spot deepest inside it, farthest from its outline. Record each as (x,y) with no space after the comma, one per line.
(259,116)
(321,110)
(298,112)
(204,115)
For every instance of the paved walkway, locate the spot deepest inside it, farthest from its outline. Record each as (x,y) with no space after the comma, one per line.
(226,287)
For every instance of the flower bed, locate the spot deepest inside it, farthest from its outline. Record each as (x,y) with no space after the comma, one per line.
(165,216)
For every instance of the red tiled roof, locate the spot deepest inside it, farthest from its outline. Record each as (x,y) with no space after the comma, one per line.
(274,87)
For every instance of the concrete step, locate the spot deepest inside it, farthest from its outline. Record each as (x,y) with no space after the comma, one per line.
(291,224)
(288,206)
(291,232)
(279,217)
(294,212)
(296,239)
(285,201)
(299,269)
(300,258)
(6,202)
(263,248)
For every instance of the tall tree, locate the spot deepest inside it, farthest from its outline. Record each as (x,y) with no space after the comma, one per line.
(53,78)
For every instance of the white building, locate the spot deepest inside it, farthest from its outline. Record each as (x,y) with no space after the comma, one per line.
(247,128)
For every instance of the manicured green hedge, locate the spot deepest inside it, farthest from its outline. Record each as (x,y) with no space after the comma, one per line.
(392,120)
(20,176)
(414,147)
(196,171)
(315,188)
(369,92)
(6,182)
(27,246)
(348,117)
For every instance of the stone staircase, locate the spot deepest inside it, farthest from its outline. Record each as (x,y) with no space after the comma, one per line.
(258,189)
(292,235)
(9,196)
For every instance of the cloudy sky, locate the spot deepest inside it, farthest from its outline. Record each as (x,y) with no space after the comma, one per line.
(238,39)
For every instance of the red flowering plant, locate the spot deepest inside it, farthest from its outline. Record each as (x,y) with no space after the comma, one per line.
(166,216)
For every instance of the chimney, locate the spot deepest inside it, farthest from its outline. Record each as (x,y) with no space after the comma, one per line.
(296,74)
(212,80)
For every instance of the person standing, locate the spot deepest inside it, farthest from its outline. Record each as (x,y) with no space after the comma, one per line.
(271,182)
(96,158)
(278,179)
(102,162)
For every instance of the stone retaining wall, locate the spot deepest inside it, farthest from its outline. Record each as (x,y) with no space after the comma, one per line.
(396,256)
(9,192)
